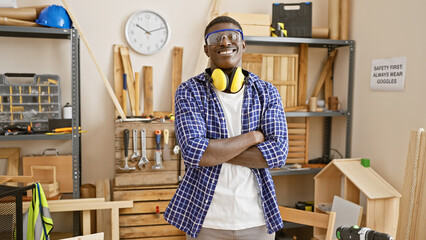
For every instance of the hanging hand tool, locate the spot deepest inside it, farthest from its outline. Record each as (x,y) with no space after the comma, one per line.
(144,160)
(157,211)
(166,149)
(158,163)
(126,136)
(124,103)
(135,154)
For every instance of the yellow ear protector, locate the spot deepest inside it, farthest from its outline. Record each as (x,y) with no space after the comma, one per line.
(222,83)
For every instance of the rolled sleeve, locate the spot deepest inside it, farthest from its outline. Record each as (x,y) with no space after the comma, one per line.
(274,127)
(189,126)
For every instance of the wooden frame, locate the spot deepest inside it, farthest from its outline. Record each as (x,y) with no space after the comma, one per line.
(12,155)
(321,220)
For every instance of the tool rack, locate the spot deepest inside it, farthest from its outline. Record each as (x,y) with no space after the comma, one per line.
(74,37)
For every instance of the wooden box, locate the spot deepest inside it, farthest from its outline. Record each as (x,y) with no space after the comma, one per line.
(279,69)
(146,176)
(63,164)
(298,135)
(253,24)
(141,221)
(46,176)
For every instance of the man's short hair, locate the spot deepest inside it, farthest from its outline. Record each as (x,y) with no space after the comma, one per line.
(222,19)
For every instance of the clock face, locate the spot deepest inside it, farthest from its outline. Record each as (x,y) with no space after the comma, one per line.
(147,32)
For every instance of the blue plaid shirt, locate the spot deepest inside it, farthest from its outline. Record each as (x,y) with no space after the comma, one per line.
(199,117)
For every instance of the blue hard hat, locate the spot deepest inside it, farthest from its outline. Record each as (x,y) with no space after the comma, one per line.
(54,16)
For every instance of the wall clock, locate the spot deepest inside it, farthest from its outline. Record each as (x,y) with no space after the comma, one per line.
(147,32)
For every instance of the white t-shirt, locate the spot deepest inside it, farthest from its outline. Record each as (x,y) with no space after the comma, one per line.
(236,201)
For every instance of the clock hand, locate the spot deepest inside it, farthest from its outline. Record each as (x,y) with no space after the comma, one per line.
(143,28)
(156,29)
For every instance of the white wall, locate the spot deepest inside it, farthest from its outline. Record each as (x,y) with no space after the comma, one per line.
(382,121)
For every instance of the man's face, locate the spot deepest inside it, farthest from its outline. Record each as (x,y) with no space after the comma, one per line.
(226,54)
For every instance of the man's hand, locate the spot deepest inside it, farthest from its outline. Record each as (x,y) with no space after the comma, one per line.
(223,150)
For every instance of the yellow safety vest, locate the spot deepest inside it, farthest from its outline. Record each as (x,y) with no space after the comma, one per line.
(37,222)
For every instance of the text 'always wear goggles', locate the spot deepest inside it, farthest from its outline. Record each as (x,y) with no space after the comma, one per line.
(232,35)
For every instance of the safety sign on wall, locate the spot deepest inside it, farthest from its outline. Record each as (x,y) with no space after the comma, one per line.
(388,74)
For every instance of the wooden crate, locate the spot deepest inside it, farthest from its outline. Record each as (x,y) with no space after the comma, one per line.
(141,221)
(46,176)
(253,24)
(146,176)
(63,164)
(298,135)
(279,69)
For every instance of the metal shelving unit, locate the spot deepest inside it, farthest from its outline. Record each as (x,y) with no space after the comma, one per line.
(74,37)
(330,45)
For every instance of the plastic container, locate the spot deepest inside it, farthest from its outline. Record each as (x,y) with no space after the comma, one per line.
(297,19)
(29,99)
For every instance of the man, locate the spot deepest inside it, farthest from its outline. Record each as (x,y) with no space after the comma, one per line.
(229,139)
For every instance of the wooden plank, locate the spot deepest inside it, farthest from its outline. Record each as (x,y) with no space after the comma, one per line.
(328,88)
(351,192)
(145,207)
(291,155)
(95,236)
(141,220)
(150,153)
(296,143)
(154,177)
(150,231)
(77,205)
(182,237)
(12,155)
(177,59)
(150,143)
(145,195)
(148,105)
(137,94)
(115,230)
(415,172)
(363,177)
(305,217)
(123,188)
(17,179)
(127,67)
(149,127)
(327,67)
(303,73)
(103,222)
(118,75)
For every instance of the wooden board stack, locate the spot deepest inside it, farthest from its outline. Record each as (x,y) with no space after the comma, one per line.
(148,188)
(279,69)
(298,135)
(142,221)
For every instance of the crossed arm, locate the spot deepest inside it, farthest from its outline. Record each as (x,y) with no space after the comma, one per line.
(239,150)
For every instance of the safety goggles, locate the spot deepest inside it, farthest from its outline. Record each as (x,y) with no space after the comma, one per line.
(216,37)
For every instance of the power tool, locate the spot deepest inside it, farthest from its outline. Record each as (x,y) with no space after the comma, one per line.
(357,233)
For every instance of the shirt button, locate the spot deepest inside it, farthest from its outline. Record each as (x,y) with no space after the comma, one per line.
(207,201)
